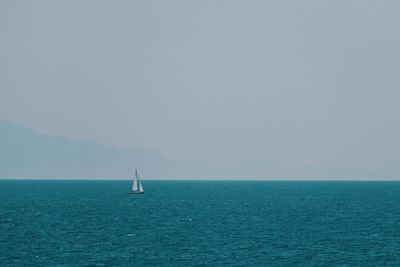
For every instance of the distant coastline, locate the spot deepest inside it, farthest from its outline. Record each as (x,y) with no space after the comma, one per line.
(25,154)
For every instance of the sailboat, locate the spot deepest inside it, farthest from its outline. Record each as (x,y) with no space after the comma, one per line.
(137,187)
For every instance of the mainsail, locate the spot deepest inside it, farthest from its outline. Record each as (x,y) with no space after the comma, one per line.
(134,186)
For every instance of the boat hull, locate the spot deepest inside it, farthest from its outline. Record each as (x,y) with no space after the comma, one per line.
(136,193)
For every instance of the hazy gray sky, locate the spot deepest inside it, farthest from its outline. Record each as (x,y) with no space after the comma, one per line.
(313,82)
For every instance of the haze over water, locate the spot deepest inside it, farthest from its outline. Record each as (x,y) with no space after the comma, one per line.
(310,84)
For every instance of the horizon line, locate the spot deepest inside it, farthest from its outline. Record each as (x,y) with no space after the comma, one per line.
(210,179)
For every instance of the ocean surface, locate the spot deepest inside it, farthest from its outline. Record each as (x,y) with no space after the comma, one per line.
(199,223)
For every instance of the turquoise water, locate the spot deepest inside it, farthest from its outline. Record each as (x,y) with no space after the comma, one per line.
(192,223)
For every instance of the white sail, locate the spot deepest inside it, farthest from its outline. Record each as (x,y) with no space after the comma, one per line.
(137,184)
(140,183)
(140,187)
(134,186)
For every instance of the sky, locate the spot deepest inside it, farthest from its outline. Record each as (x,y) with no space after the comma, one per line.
(299,82)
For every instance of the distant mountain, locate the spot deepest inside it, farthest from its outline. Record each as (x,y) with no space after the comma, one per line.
(27,154)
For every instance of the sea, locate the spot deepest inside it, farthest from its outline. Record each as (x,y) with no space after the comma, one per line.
(199,223)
